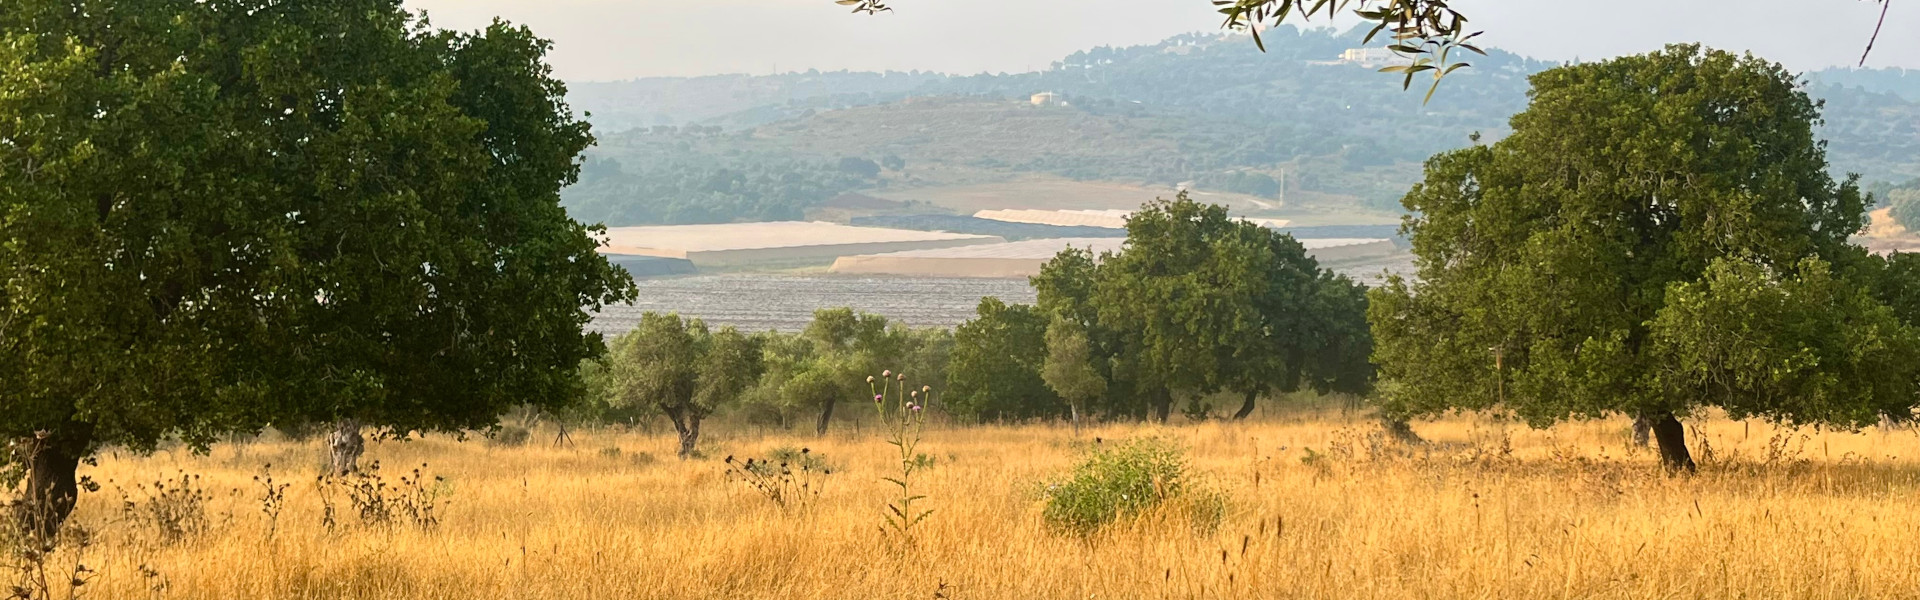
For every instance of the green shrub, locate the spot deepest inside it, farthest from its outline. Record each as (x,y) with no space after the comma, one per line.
(1126,479)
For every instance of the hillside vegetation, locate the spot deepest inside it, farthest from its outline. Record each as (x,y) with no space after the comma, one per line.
(1208,111)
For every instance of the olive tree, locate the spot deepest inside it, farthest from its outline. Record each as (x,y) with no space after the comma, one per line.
(1068,369)
(1659,234)
(219,215)
(682,369)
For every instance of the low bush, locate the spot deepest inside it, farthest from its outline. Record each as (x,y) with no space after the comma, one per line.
(1126,479)
(509,436)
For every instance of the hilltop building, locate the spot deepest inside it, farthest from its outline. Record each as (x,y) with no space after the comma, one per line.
(1373,57)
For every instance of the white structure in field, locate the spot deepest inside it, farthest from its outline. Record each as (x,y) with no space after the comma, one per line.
(1024,259)
(1045,99)
(773,243)
(1112,219)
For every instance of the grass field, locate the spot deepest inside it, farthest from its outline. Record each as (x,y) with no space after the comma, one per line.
(1318,507)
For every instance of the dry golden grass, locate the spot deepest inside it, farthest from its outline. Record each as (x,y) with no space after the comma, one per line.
(1486,511)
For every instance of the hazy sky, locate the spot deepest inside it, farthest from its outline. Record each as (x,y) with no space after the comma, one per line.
(621,39)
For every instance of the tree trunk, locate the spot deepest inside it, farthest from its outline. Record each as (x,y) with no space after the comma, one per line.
(53,484)
(689,429)
(1246,407)
(344,447)
(826,416)
(1400,430)
(1642,430)
(1076,418)
(1672,437)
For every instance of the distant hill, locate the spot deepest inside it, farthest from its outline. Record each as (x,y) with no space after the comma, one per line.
(1209,112)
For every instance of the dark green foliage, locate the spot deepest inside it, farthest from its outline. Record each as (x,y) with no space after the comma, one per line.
(219,215)
(1199,302)
(1602,258)
(1898,286)
(996,362)
(1796,345)
(1124,479)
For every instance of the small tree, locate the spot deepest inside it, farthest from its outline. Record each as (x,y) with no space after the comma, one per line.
(1068,369)
(680,368)
(847,345)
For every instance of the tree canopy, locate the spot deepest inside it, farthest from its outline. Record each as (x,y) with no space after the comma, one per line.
(1198,302)
(680,368)
(1658,234)
(219,215)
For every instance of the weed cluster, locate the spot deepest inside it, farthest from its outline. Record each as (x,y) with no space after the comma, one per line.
(273,497)
(172,509)
(31,567)
(417,499)
(1126,479)
(793,479)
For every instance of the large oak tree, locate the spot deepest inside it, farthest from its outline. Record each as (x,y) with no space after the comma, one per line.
(1659,234)
(222,214)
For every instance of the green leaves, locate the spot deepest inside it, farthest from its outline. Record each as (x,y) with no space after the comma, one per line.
(1426,31)
(1798,346)
(1659,233)
(259,214)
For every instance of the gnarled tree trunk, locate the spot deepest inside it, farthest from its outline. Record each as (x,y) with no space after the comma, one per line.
(826,416)
(344,447)
(1642,430)
(53,486)
(1246,406)
(53,479)
(1672,437)
(687,424)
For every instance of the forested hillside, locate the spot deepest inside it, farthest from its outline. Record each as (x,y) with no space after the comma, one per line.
(1208,111)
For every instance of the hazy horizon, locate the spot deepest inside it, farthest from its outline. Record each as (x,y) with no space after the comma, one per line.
(604,40)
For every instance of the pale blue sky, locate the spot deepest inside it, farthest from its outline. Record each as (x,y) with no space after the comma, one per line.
(620,39)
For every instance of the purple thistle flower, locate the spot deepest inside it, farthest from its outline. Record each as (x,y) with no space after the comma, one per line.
(877,398)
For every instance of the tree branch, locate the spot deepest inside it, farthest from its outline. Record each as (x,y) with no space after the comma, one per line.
(1884,4)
